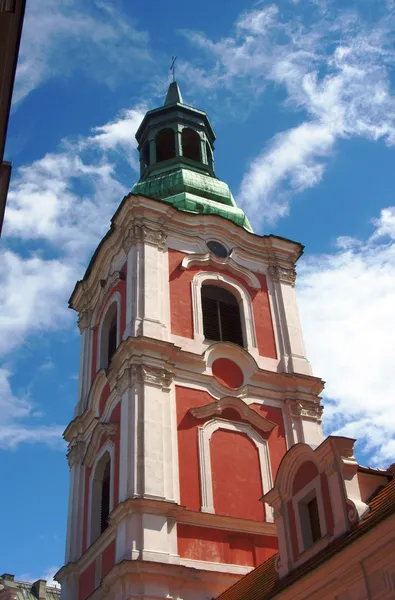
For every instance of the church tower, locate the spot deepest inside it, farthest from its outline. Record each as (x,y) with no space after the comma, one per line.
(193,381)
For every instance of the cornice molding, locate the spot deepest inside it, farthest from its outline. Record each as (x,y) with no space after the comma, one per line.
(146,214)
(226,264)
(244,411)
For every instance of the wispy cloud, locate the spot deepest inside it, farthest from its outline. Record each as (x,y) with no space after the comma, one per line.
(17,415)
(335,69)
(347,309)
(65,36)
(62,203)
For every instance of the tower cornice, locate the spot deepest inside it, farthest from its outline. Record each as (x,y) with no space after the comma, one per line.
(160,222)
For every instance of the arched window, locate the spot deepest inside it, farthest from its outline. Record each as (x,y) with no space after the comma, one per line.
(190,144)
(221,315)
(105,498)
(112,337)
(165,145)
(109,336)
(100,497)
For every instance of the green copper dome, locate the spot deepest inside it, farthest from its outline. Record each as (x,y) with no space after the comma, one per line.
(176,144)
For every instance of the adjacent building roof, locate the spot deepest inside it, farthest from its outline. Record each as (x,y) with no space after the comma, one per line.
(23,590)
(262,583)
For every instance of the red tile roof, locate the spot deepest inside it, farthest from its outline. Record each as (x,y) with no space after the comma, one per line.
(262,582)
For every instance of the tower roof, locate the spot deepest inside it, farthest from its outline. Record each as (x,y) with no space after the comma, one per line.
(176,145)
(173,94)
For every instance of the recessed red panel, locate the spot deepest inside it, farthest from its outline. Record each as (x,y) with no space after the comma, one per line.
(228,373)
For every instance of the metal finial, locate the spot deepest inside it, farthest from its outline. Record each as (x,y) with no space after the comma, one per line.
(173,66)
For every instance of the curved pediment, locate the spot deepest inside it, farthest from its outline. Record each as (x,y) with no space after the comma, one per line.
(245,412)
(225,264)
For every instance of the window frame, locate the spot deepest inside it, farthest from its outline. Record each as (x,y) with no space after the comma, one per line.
(303,527)
(102,361)
(242,296)
(94,506)
(205,433)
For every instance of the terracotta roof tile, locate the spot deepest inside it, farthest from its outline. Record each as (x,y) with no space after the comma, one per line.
(262,583)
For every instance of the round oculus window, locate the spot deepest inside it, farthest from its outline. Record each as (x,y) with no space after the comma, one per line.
(218,249)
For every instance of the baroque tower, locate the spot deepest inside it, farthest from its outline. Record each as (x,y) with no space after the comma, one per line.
(193,381)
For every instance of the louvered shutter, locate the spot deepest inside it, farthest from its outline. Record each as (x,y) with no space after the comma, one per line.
(221,315)
(112,338)
(230,323)
(210,319)
(105,502)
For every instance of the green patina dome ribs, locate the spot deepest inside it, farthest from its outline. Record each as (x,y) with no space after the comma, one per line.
(176,145)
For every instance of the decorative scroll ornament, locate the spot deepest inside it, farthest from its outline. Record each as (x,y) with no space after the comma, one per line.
(282,274)
(306,410)
(144,374)
(139,233)
(102,429)
(76,453)
(84,319)
(158,377)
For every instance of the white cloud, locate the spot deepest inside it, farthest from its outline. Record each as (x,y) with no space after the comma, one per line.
(336,72)
(67,35)
(63,201)
(346,301)
(32,297)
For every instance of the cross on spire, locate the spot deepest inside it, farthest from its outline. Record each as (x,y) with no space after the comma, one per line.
(173,66)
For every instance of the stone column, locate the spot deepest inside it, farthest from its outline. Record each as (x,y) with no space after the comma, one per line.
(288,323)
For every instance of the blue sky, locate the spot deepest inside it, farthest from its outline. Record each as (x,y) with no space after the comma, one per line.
(301,96)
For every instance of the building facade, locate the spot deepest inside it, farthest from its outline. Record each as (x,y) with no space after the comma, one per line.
(11,20)
(193,386)
(335,521)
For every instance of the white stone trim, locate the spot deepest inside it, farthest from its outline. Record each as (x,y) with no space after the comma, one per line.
(228,264)
(110,448)
(114,299)
(207,565)
(206,483)
(241,294)
(313,488)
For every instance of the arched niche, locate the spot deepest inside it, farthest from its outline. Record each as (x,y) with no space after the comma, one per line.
(190,140)
(165,145)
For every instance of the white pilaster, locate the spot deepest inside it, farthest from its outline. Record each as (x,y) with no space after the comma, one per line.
(76,504)
(290,331)
(147,311)
(85,360)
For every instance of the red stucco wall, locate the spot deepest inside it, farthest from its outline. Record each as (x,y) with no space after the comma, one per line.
(86,583)
(236,475)
(246,461)
(218,545)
